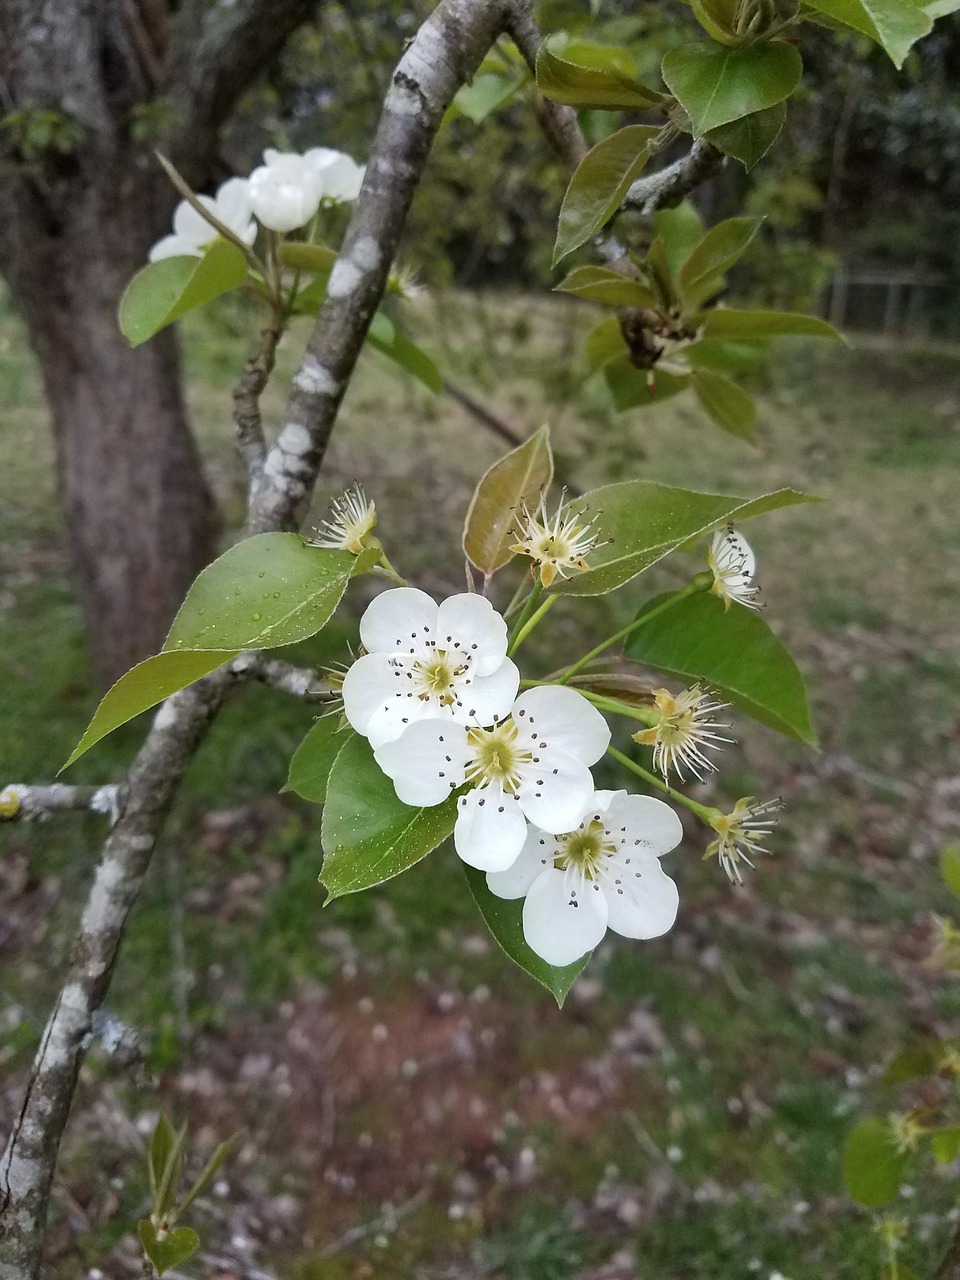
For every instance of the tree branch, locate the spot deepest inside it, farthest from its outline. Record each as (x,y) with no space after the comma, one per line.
(298,682)
(21,803)
(671,184)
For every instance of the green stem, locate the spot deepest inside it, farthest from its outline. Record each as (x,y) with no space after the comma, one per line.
(703,812)
(526,612)
(700,583)
(524,630)
(388,571)
(517,597)
(647,718)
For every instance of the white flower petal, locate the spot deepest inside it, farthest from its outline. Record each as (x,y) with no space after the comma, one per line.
(426,762)
(489,698)
(562,924)
(174,247)
(403,614)
(481,631)
(233,202)
(190,224)
(396,716)
(284,196)
(566,720)
(371,684)
(555,792)
(340,176)
(490,830)
(651,822)
(642,899)
(537,853)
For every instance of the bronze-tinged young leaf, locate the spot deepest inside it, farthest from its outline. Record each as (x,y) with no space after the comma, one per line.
(715,85)
(384,336)
(873,1165)
(895,25)
(519,478)
(598,186)
(611,288)
(731,324)
(731,407)
(732,651)
(163,291)
(143,687)
(368,835)
(564,80)
(270,590)
(646,521)
(313,759)
(750,138)
(504,919)
(175,1247)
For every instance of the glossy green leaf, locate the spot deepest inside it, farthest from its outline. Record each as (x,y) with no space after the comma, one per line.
(143,687)
(269,590)
(751,137)
(174,1247)
(368,835)
(945,1144)
(720,248)
(950,867)
(894,24)
(715,85)
(681,230)
(872,1164)
(313,759)
(578,85)
(163,291)
(386,338)
(732,651)
(612,288)
(598,186)
(731,407)
(725,322)
(516,480)
(633,388)
(504,919)
(646,521)
(485,93)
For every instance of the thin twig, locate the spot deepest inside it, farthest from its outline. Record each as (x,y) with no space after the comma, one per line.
(22,803)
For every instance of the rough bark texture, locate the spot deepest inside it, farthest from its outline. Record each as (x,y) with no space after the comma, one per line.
(74,227)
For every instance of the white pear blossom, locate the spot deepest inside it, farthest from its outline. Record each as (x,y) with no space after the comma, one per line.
(447,662)
(685,729)
(604,873)
(556,547)
(741,834)
(352,519)
(340,176)
(533,764)
(193,234)
(285,190)
(734,565)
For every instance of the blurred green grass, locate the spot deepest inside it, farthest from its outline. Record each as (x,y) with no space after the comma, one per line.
(776,1003)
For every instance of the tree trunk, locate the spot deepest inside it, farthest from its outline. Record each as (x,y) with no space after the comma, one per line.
(141,520)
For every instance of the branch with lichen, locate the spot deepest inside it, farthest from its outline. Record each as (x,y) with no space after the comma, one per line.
(22,803)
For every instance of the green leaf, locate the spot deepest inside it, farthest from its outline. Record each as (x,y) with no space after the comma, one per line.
(716,253)
(313,760)
(161,1146)
(726,357)
(169,1183)
(269,590)
(873,1166)
(484,95)
(732,651)
(894,24)
(945,1144)
(681,230)
(603,344)
(612,288)
(715,85)
(175,1247)
(633,388)
(145,685)
(578,85)
(315,259)
(751,137)
(731,407)
(950,867)
(385,337)
(646,521)
(504,919)
(165,290)
(208,1172)
(518,479)
(725,322)
(598,186)
(368,835)
(910,1064)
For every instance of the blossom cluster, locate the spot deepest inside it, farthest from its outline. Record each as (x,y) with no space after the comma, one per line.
(283,194)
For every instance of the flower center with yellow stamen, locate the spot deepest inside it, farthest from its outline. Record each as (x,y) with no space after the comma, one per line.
(585,850)
(496,757)
(437,676)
